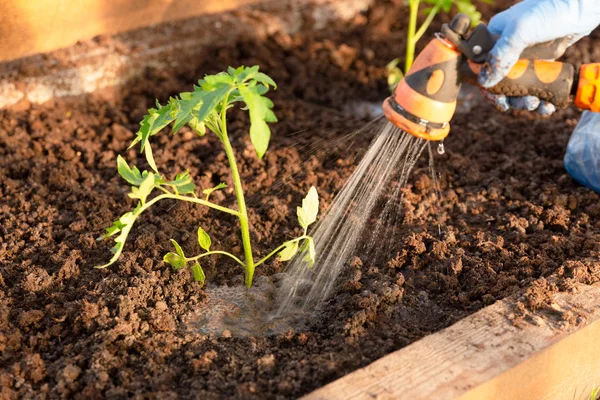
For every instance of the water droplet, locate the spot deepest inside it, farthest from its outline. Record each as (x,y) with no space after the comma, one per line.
(441,149)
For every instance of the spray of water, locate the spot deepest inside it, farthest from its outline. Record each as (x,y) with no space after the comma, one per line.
(390,158)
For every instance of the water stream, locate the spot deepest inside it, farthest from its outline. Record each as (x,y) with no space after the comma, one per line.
(390,158)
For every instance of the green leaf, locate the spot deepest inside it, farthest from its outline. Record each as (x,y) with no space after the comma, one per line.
(310,204)
(198,273)
(153,122)
(175,260)
(210,101)
(208,192)
(131,175)
(204,239)
(302,218)
(265,80)
(308,248)
(446,5)
(247,73)
(143,191)
(122,226)
(150,157)
(178,248)
(197,126)
(183,183)
(289,251)
(260,113)
(187,103)
(211,82)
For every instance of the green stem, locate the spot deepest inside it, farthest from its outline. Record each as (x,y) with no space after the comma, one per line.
(218,252)
(426,23)
(194,200)
(239,193)
(410,42)
(278,249)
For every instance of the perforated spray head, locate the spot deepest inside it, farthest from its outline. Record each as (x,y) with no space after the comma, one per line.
(425,100)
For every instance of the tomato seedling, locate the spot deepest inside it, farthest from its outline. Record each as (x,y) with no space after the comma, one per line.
(206,107)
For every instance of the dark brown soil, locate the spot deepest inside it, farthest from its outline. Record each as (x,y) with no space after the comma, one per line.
(510,215)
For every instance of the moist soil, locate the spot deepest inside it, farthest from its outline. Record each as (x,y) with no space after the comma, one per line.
(513,223)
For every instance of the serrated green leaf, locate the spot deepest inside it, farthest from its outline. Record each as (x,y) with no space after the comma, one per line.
(198,273)
(211,82)
(182,184)
(153,122)
(174,260)
(144,189)
(289,251)
(178,248)
(187,103)
(208,192)
(204,239)
(265,80)
(210,101)
(310,204)
(302,217)
(248,73)
(260,113)
(131,175)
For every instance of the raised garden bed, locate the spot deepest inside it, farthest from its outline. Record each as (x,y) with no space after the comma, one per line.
(510,216)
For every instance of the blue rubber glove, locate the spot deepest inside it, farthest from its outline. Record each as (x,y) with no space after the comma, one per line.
(528,23)
(582,160)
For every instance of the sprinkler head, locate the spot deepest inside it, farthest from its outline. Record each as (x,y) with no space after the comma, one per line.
(424,101)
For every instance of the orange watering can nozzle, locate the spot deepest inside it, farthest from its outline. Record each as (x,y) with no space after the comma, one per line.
(424,101)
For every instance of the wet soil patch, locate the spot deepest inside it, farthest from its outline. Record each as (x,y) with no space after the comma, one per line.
(510,217)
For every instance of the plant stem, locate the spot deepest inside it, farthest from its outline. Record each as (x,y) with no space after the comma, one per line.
(194,200)
(239,193)
(410,41)
(278,249)
(218,252)
(426,23)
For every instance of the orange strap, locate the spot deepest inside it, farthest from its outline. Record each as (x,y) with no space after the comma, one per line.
(588,89)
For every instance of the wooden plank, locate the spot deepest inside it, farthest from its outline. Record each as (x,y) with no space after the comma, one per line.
(33,26)
(99,65)
(485,356)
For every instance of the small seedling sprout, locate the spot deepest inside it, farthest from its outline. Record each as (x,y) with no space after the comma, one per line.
(206,107)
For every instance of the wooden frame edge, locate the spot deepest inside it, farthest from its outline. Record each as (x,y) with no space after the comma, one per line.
(485,356)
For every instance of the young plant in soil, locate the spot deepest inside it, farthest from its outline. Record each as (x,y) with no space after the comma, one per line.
(206,107)
(395,74)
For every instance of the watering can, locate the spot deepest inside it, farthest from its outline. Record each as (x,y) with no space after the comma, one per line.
(424,101)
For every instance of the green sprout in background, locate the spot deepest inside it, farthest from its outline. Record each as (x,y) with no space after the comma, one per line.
(395,74)
(206,107)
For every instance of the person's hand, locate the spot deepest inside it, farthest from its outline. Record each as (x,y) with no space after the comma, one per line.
(528,23)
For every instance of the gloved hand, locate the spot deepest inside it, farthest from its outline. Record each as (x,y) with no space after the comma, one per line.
(528,23)
(582,160)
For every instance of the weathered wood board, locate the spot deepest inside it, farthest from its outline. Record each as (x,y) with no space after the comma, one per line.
(33,26)
(485,356)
